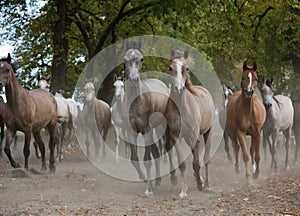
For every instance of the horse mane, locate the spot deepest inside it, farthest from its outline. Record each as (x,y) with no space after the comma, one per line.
(189,86)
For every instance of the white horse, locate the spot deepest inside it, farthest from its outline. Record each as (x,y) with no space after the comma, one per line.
(279,118)
(117,118)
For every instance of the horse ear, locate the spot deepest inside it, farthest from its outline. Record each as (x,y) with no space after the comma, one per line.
(186,53)
(254,66)
(115,78)
(8,58)
(271,80)
(172,51)
(245,65)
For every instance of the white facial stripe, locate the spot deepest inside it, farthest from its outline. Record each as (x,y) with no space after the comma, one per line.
(250,81)
(179,74)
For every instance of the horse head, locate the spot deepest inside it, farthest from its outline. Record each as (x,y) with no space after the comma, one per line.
(249,79)
(6,71)
(133,61)
(89,90)
(179,68)
(43,82)
(267,91)
(119,88)
(227,93)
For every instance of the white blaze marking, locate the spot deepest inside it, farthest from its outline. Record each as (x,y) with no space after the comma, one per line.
(179,74)
(250,81)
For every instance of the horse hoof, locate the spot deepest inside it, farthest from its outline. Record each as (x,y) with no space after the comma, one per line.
(182,194)
(16,165)
(287,168)
(52,169)
(255,175)
(149,193)
(237,171)
(229,158)
(174,180)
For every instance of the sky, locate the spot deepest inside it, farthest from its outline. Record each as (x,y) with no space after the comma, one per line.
(4,49)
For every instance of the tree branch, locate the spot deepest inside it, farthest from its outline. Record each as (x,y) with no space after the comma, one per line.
(115,21)
(260,17)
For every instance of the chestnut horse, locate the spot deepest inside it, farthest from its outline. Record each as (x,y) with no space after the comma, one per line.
(280,114)
(190,115)
(245,115)
(228,92)
(296,127)
(29,112)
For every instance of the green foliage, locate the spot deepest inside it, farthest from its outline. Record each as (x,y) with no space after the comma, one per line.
(226,32)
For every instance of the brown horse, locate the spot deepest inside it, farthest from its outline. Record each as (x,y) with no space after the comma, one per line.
(27,111)
(2,104)
(228,92)
(98,112)
(245,115)
(190,115)
(296,126)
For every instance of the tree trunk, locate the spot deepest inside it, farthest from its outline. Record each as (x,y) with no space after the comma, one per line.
(60,47)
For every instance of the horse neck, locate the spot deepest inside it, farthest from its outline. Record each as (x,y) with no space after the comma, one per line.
(12,90)
(131,92)
(247,103)
(179,100)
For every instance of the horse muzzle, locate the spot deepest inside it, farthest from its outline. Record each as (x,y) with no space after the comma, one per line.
(134,77)
(179,90)
(267,105)
(248,93)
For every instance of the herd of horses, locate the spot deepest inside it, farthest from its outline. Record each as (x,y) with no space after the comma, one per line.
(188,109)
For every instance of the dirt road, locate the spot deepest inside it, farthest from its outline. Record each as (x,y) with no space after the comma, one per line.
(80,188)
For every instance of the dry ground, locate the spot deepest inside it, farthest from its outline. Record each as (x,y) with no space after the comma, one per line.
(79,188)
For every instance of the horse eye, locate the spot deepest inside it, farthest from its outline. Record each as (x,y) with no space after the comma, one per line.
(243,78)
(142,59)
(170,68)
(187,69)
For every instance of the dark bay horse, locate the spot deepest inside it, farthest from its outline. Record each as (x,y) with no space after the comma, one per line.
(190,115)
(97,118)
(143,97)
(2,104)
(296,127)
(280,114)
(228,92)
(245,115)
(29,112)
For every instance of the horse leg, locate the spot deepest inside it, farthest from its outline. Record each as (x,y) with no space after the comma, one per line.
(2,137)
(237,155)
(169,149)
(242,141)
(26,149)
(287,134)
(105,131)
(207,140)
(117,143)
(265,137)
(273,152)
(255,142)
(226,140)
(39,141)
(196,165)
(36,146)
(7,150)
(182,168)
(148,164)
(156,156)
(134,157)
(297,138)
(252,154)
(52,133)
